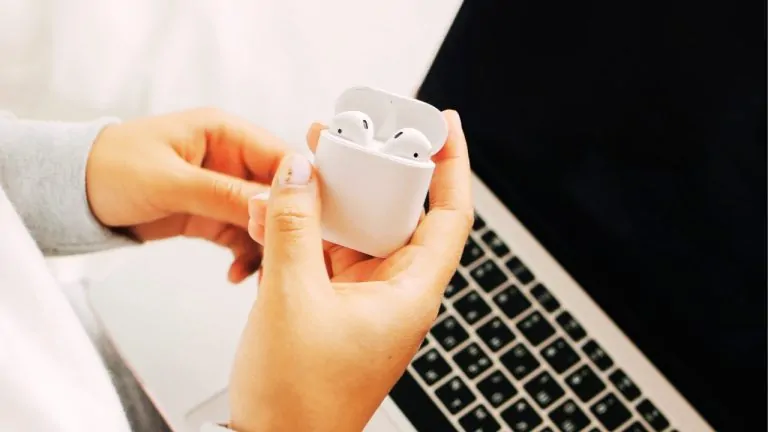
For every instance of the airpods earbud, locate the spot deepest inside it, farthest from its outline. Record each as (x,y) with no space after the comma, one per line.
(408,143)
(354,126)
(357,127)
(375,177)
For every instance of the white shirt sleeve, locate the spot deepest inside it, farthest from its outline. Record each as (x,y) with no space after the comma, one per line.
(42,170)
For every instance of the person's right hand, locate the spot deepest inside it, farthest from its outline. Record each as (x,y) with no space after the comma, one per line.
(325,342)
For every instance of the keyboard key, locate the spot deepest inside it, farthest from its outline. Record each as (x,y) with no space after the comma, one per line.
(519,361)
(456,285)
(488,275)
(495,334)
(521,416)
(441,310)
(424,343)
(599,357)
(496,388)
(449,333)
(652,415)
(624,385)
(512,301)
(571,326)
(635,427)
(545,298)
(419,407)
(568,417)
(455,395)
(479,223)
(431,367)
(472,252)
(535,328)
(479,420)
(544,390)
(611,412)
(472,360)
(585,383)
(560,355)
(546,429)
(495,244)
(472,307)
(520,271)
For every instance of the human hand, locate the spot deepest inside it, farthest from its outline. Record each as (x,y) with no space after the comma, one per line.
(188,173)
(328,338)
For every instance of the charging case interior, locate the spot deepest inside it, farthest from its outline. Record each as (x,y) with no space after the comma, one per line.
(390,113)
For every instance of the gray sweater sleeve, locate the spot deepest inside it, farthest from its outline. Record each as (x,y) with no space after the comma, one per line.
(42,171)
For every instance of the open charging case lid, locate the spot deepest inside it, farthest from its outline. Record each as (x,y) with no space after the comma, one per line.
(390,112)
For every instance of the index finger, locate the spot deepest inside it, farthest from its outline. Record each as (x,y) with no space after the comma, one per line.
(446,226)
(260,151)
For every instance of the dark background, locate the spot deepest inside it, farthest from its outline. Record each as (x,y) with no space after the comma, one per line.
(630,138)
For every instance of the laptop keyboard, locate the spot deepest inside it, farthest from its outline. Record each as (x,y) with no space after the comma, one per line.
(505,355)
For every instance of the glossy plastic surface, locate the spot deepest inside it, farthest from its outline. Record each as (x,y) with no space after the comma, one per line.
(372,201)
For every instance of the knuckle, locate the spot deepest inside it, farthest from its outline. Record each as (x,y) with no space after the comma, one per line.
(290,219)
(228,189)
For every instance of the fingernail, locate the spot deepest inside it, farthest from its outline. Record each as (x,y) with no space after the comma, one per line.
(295,171)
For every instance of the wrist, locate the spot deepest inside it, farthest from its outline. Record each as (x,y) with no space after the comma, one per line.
(95,172)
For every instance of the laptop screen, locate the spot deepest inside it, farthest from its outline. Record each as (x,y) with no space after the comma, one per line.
(630,139)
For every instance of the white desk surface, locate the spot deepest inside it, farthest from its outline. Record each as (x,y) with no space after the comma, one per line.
(168,305)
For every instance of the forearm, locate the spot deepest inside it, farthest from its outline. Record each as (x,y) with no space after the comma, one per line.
(42,171)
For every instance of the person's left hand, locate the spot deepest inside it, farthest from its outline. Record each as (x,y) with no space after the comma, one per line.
(189,173)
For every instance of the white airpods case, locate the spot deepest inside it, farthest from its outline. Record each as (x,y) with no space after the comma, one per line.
(372,201)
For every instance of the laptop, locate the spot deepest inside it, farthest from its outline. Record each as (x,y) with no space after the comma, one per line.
(615,276)
(614,279)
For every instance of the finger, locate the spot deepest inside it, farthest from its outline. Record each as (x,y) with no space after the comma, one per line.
(342,258)
(257,211)
(292,235)
(213,195)
(260,150)
(313,135)
(444,229)
(257,207)
(243,267)
(256,231)
(339,258)
(247,253)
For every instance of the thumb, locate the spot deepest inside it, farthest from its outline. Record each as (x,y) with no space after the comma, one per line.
(292,235)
